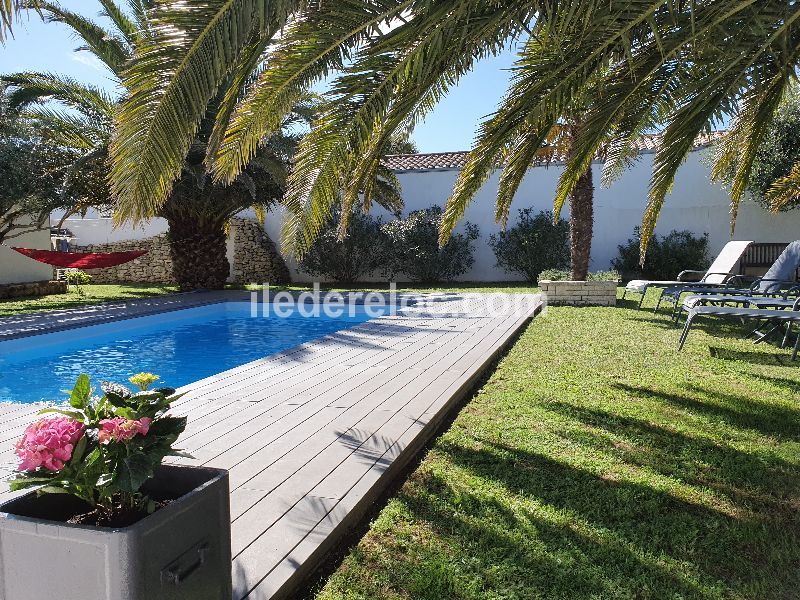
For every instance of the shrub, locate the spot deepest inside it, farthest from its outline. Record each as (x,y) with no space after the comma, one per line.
(666,256)
(101,449)
(360,253)
(564,275)
(77,277)
(534,244)
(413,248)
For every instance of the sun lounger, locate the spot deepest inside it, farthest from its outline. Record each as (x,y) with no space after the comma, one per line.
(777,281)
(747,301)
(720,271)
(786,317)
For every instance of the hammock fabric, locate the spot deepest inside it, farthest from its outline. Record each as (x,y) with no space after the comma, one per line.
(81,260)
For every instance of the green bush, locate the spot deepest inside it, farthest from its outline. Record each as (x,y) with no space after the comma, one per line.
(533,245)
(666,256)
(77,277)
(361,253)
(413,248)
(564,275)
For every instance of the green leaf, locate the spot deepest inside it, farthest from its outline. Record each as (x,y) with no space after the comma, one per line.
(77,453)
(167,426)
(24,481)
(133,472)
(51,489)
(79,398)
(180,453)
(72,414)
(126,412)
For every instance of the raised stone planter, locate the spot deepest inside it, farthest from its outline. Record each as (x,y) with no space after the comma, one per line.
(34,288)
(580,293)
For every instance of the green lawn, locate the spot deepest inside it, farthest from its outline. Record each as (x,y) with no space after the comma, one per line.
(91,294)
(597,462)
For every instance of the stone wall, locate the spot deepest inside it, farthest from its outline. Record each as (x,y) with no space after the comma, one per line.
(255,258)
(34,288)
(153,267)
(580,293)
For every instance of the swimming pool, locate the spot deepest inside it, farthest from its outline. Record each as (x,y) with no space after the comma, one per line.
(181,346)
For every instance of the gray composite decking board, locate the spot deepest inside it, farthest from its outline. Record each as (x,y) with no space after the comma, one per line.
(312,435)
(387,431)
(332,510)
(315,470)
(304,410)
(313,375)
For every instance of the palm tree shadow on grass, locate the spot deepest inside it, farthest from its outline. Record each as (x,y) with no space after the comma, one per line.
(755,482)
(508,550)
(781,357)
(636,529)
(739,411)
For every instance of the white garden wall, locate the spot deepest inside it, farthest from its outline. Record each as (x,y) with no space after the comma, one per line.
(15,268)
(695,204)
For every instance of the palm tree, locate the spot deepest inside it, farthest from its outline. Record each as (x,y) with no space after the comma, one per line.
(681,66)
(197,209)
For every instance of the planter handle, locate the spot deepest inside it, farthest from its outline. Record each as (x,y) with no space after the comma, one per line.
(177,573)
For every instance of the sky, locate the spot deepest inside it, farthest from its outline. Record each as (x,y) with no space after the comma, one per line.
(38,46)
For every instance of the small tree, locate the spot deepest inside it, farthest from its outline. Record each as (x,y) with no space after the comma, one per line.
(533,245)
(360,253)
(413,248)
(38,177)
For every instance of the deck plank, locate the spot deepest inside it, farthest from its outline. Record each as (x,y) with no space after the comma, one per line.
(311,436)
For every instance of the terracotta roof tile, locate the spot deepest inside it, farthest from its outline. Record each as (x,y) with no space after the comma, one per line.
(457,160)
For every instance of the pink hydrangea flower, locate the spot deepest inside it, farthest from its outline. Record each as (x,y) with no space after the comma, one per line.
(120,429)
(48,443)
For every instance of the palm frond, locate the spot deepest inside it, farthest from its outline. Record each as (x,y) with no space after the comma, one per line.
(110,49)
(26,89)
(176,74)
(784,191)
(312,48)
(9,11)
(124,24)
(68,128)
(406,80)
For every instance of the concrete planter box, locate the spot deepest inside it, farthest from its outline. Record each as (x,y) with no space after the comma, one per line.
(580,293)
(182,551)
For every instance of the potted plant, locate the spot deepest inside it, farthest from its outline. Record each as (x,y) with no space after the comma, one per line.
(108,520)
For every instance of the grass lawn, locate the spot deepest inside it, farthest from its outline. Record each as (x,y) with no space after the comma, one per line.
(597,462)
(92,294)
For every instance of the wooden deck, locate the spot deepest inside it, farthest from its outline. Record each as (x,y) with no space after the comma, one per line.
(311,436)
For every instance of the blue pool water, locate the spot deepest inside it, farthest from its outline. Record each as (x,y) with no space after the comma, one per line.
(181,346)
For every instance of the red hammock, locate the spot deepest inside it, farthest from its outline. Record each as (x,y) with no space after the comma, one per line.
(81,260)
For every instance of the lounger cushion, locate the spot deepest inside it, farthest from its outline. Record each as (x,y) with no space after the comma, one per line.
(640,285)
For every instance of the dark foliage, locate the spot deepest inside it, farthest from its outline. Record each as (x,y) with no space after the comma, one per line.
(413,248)
(361,253)
(533,245)
(666,255)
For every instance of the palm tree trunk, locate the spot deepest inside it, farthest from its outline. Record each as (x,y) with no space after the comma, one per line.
(198,250)
(581,223)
